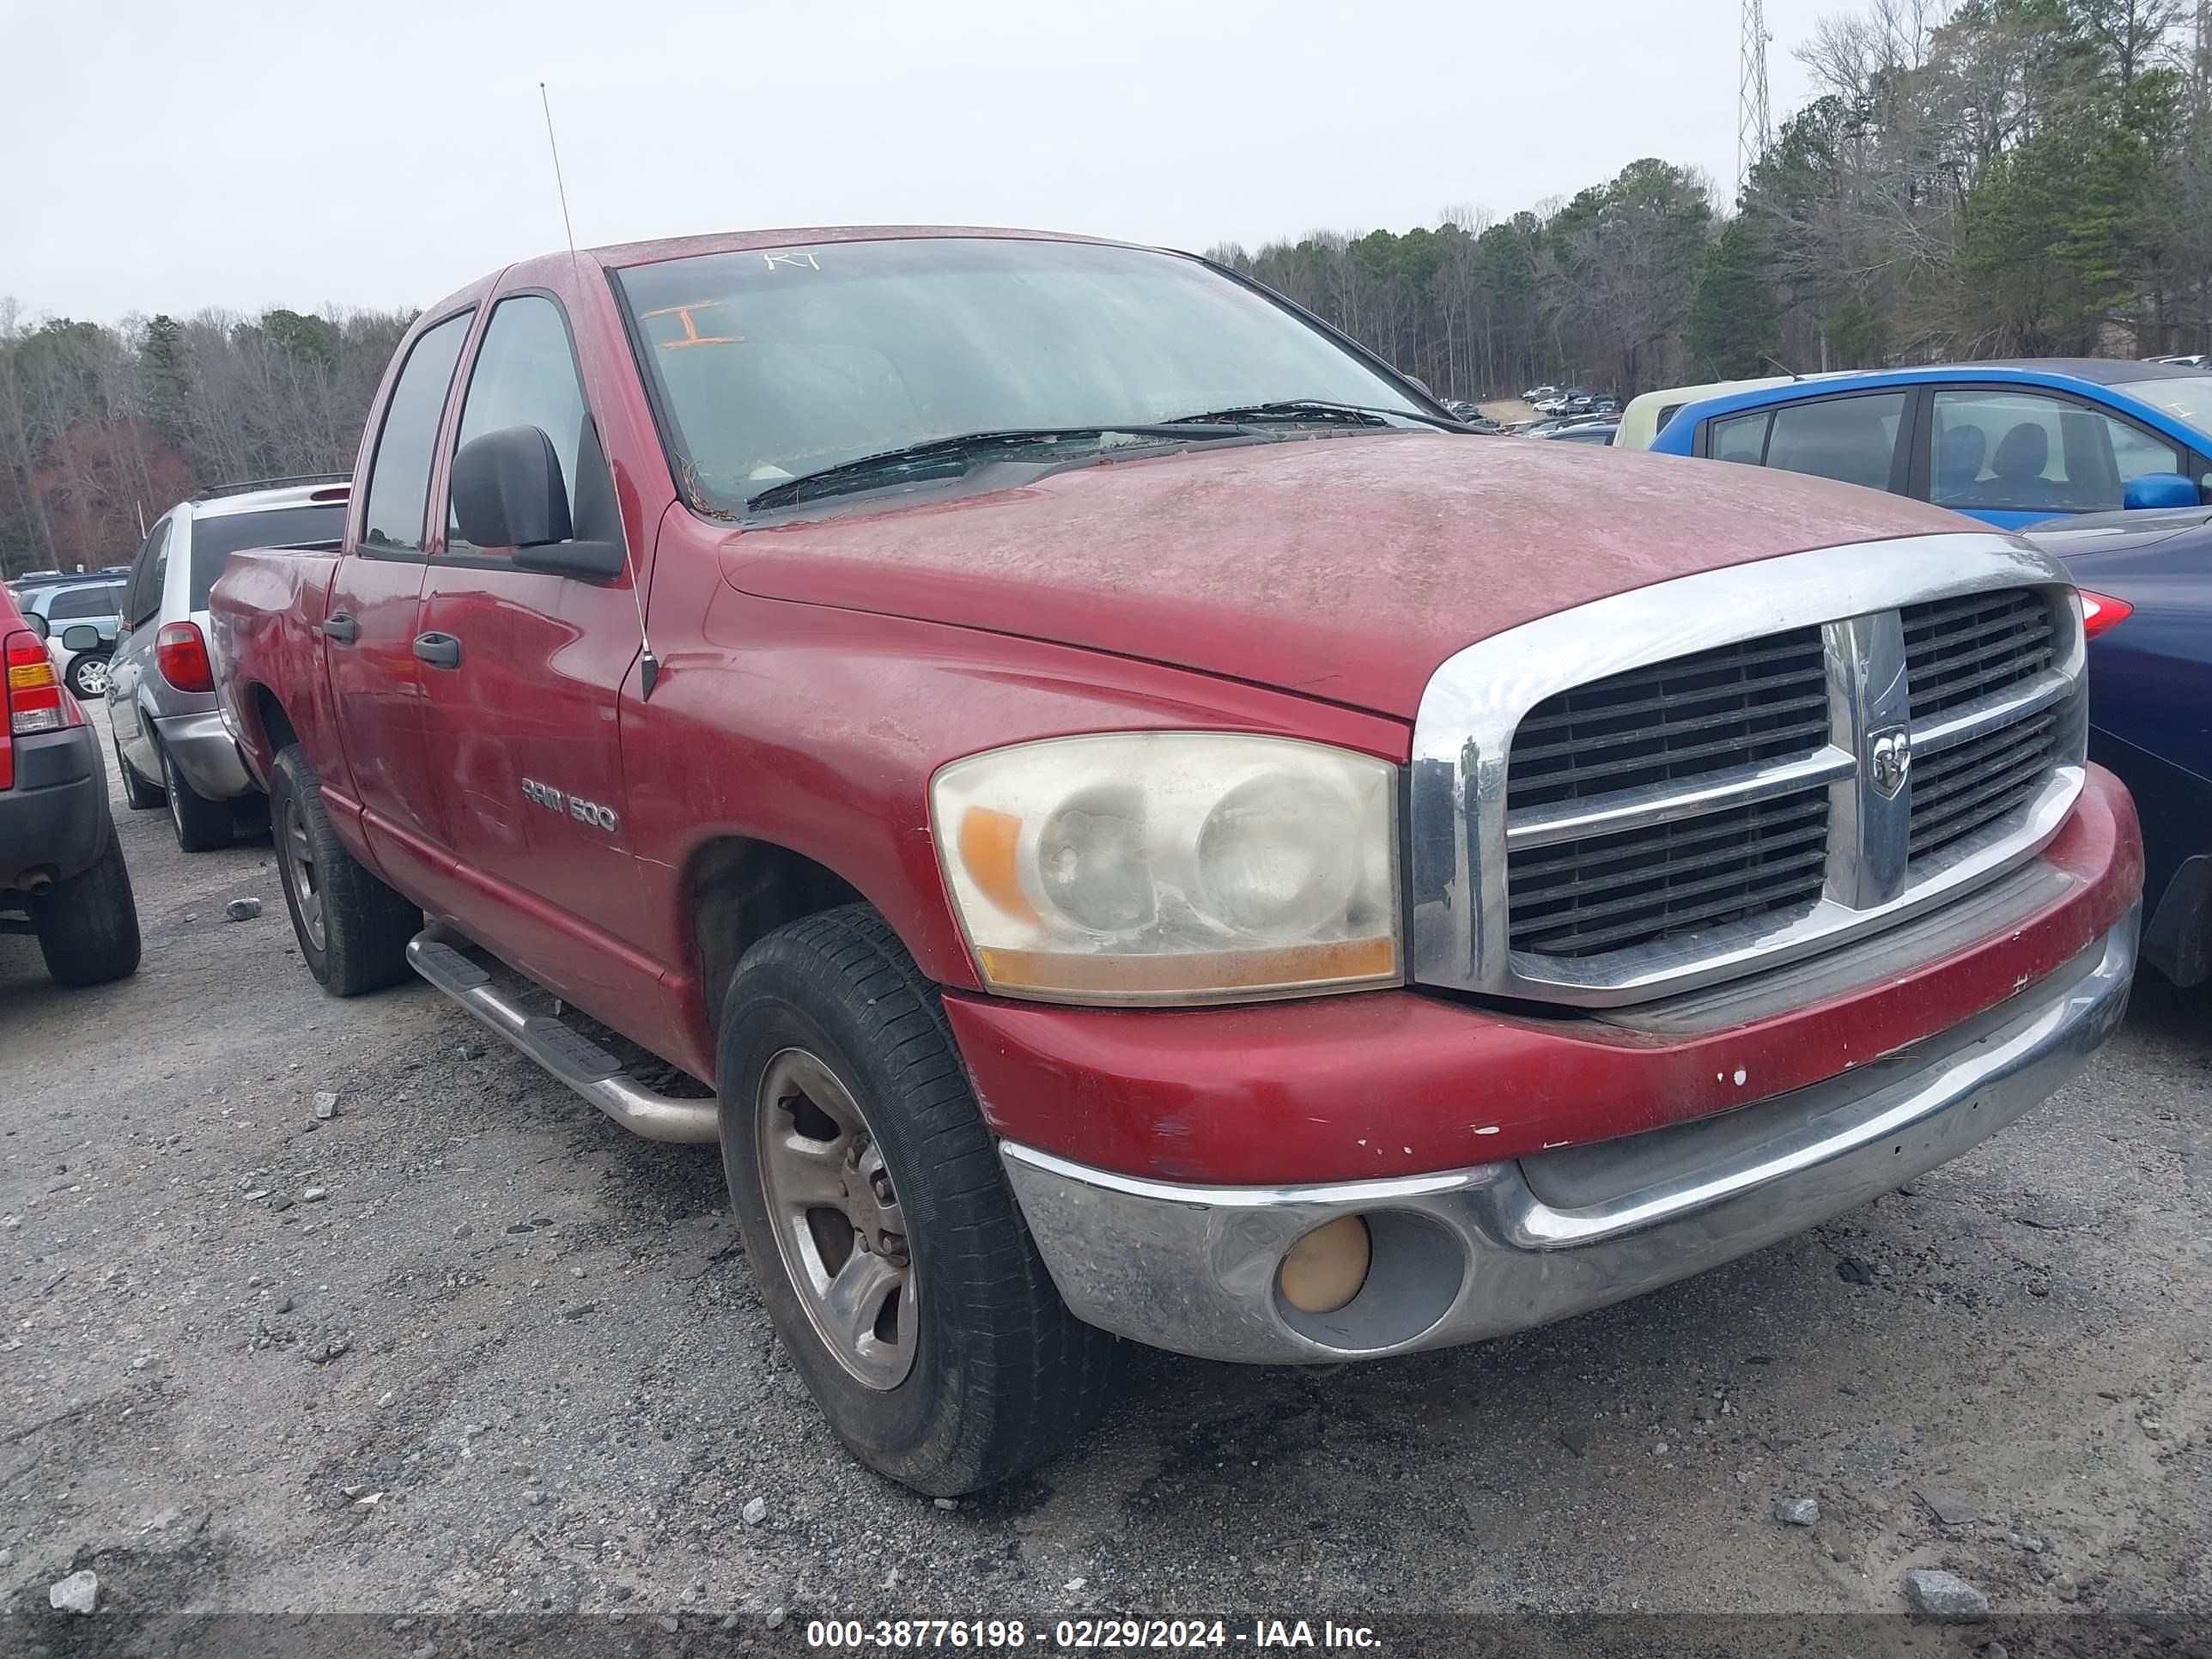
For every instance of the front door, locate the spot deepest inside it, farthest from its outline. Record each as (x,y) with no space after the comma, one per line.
(522,675)
(2012,456)
(369,628)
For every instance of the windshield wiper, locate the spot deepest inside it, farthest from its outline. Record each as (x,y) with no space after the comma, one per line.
(1308,408)
(955,454)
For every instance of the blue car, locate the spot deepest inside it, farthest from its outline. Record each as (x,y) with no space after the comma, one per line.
(2080,452)
(2008,443)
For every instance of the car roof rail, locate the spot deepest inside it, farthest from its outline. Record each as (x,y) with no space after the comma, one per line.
(214,491)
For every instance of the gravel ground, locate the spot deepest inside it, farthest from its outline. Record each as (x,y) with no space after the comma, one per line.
(466,1346)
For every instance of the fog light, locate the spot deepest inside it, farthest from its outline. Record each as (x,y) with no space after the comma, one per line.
(1324,1270)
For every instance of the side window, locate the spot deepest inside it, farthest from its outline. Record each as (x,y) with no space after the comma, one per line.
(399,472)
(2022,452)
(1851,439)
(1740,438)
(147,575)
(526,375)
(76,603)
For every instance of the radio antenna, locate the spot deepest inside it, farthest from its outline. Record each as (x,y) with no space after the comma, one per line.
(649,666)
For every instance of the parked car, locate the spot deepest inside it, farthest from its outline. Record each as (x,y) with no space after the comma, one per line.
(1582,429)
(62,875)
(1536,394)
(1649,412)
(59,613)
(168,735)
(2150,704)
(2008,443)
(1005,761)
(1572,401)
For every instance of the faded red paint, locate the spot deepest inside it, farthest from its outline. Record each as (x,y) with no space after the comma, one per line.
(814,677)
(1394,1082)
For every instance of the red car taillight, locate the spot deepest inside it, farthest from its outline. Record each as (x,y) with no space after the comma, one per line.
(2101,612)
(35,701)
(181,655)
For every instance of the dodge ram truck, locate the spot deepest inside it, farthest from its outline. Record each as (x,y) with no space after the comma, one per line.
(1122,818)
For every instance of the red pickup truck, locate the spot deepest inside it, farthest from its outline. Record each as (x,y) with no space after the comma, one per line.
(1119,815)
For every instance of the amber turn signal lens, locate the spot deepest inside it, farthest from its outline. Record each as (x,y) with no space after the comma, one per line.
(1324,1270)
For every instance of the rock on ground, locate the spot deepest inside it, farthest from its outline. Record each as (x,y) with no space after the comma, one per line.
(78,1593)
(1945,1597)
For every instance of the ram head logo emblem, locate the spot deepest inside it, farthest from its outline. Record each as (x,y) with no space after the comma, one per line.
(1890,756)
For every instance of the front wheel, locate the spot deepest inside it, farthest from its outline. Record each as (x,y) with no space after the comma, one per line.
(891,1256)
(143,797)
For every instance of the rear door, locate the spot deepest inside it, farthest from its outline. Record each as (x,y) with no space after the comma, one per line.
(524,675)
(369,632)
(134,651)
(1853,437)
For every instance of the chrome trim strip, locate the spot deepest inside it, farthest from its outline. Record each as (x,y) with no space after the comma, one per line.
(1869,700)
(1979,720)
(1192,1268)
(1457,832)
(1664,803)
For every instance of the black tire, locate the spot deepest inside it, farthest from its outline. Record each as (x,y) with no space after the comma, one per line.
(361,942)
(202,825)
(141,796)
(81,664)
(1002,1375)
(88,926)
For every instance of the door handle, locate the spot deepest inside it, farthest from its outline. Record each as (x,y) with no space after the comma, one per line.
(342,627)
(439,650)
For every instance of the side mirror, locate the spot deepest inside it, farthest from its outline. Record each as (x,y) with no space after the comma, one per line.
(2154,490)
(509,492)
(81,636)
(40,625)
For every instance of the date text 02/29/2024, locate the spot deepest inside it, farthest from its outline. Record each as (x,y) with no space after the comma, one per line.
(1084,1634)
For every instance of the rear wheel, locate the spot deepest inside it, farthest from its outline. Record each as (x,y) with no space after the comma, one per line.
(202,825)
(353,929)
(88,926)
(891,1256)
(143,797)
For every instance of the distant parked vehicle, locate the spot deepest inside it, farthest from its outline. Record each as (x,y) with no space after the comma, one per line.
(2147,591)
(2008,443)
(57,613)
(169,737)
(1537,393)
(1580,431)
(61,877)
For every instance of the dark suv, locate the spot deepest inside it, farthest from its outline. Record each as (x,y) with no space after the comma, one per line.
(61,867)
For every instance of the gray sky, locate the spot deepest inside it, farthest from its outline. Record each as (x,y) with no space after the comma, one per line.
(248,153)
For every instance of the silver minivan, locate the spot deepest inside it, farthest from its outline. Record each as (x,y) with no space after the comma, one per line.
(170,741)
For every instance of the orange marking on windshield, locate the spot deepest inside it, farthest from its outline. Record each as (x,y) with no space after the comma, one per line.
(692,336)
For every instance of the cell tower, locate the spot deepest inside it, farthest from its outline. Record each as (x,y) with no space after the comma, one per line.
(1754,127)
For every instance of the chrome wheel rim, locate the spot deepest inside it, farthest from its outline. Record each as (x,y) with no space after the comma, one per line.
(839,1226)
(300,873)
(92,677)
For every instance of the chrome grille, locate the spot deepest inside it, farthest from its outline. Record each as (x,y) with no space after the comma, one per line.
(1688,718)
(1708,805)
(1974,647)
(1759,700)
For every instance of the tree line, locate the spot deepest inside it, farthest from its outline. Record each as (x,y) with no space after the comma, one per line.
(103,430)
(1970,178)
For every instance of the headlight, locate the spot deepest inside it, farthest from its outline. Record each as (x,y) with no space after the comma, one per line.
(1173,866)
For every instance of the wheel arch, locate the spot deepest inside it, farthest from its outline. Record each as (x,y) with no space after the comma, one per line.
(738,888)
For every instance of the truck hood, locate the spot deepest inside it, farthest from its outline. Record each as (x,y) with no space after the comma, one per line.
(1345,567)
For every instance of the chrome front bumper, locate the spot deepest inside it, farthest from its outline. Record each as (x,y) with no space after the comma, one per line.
(204,751)
(1468,1253)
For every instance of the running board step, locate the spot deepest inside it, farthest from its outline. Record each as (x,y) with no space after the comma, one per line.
(563,1050)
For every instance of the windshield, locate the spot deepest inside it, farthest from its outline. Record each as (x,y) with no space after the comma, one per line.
(776,363)
(218,536)
(2187,397)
